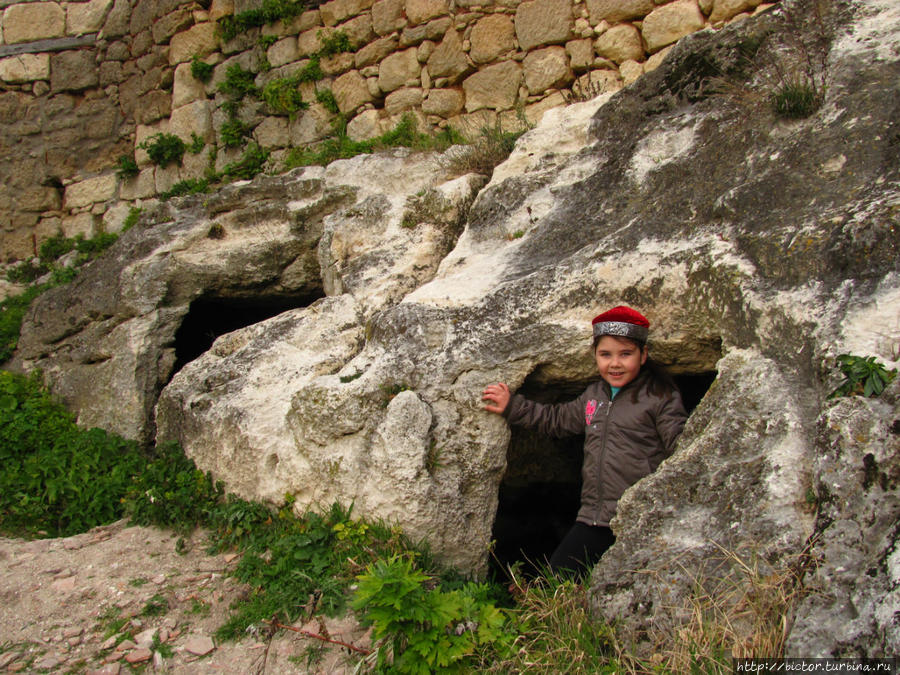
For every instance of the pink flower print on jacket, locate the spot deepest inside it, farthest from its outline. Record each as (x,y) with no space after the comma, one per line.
(589,409)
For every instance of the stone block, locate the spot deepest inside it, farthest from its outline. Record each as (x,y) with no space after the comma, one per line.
(220,8)
(495,87)
(597,82)
(283,52)
(25,68)
(723,10)
(272,132)
(185,87)
(444,102)
(114,217)
(375,51)
(615,11)
(420,11)
(32,21)
(310,42)
(669,23)
(332,13)
(387,16)
(581,54)
(193,118)
(117,20)
(141,186)
(73,71)
(38,198)
(402,100)
(448,59)
(358,30)
(367,124)
(312,125)
(620,43)
(83,223)
(337,64)
(653,62)
(471,125)
(90,191)
(169,24)
(398,69)
(199,39)
(433,30)
(350,91)
(86,17)
(630,71)
(167,177)
(152,106)
(492,36)
(543,22)
(535,111)
(545,69)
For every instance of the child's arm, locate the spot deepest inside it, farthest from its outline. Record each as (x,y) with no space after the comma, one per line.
(557,420)
(670,421)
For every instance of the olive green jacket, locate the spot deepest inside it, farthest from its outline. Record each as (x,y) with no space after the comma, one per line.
(625,439)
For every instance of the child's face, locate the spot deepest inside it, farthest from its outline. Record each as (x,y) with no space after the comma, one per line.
(619,360)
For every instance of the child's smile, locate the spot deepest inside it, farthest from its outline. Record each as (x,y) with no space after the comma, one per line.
(619,360)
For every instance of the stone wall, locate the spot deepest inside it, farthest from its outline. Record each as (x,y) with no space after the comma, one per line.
(84,83)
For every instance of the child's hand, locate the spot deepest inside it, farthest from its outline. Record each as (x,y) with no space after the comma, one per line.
(499,395)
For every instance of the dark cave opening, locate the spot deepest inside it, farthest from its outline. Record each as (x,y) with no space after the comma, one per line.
(209,317)
(539,494)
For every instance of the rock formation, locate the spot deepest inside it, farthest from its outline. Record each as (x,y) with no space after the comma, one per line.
(759,247)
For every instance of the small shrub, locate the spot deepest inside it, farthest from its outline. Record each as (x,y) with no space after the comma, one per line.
(188,186)
(328,101)
(282,96)
(197,144)
(91,248)
(56,477)
(796,99)
(863,376)
(335,43)
(491,148)
(229,27)
(266,41)
(238,82)
(250,164)
(422,629)
(55,247)
(233,132)
(128,168)
(12,311)
(311,72)
(201,70)
(164,149)
(26,272)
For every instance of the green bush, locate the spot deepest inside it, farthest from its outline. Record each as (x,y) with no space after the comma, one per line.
(164,149)
(12,311)
(425,629)
(250,163)
(201,70)
(55,247)
(189,186)
(170,491)
(128,168)
(796,99)
(238,82)
(328,101)
(56,478)
(282,96)
(863,376)
(27,271)
(335,43)
(270,11)
(134,214)
(233,132)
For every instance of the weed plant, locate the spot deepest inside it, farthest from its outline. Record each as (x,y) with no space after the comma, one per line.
(189,186)
(282,96)
(164,149)
(863,376)
(201,70)
(233,132)
(128,168)
(56,479)
(231,26)
(238,83)
(250,163)
(12,312)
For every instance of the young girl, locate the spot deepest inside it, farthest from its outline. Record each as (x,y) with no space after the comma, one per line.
(630,419)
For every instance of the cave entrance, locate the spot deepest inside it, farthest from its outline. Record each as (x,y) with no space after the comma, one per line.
(539,494)
(210,317)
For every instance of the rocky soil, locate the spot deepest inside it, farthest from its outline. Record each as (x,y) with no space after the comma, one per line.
(121,599)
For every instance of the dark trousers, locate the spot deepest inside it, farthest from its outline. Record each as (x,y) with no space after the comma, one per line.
(580,549)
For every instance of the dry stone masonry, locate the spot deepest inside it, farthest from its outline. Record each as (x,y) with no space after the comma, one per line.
(84,83)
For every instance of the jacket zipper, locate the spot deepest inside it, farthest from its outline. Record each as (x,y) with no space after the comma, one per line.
(602,457)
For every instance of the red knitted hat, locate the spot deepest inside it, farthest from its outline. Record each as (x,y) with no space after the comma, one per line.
(622,321)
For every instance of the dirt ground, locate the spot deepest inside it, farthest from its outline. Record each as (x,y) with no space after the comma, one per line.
(121,599)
